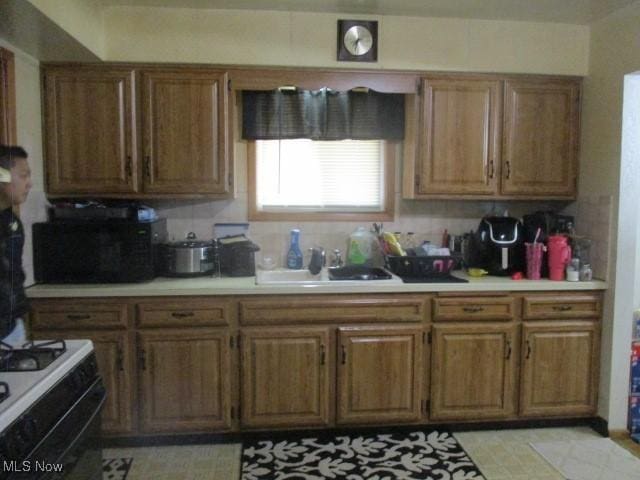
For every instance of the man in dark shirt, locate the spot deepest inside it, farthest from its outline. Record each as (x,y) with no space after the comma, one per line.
(15,183)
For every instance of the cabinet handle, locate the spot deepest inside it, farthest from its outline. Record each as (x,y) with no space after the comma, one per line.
(322,355)
(508,170)
(528,350)
(473,309)
(182,314)
(72,316)
(492,169)
(508,350)
(147,166)
(143,359)
(120,359)
(344,355)
(562,308)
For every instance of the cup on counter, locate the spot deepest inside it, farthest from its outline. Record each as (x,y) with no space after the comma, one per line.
(534,259)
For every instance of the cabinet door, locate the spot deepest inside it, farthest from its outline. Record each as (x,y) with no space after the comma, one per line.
(379,374)
(113,353)
(460,136)
(286,376)
(472,371)
(559,368)
(541,135)
(7,98)
(185,380)
(90,130)
(185,132)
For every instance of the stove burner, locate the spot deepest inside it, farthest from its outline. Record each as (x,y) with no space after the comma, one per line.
(4,391)
(31,357)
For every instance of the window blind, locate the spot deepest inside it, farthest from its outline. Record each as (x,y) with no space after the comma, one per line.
(302,174)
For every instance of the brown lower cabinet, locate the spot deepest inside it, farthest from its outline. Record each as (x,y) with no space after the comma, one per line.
(473,371)
(113,354)
(209,364)
(286,376)
(379,374)
(559,368)
(185,380)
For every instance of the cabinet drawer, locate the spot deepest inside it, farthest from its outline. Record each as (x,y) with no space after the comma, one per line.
(562,306)
(63,315)
(184,313)
(333,308)
(474,308)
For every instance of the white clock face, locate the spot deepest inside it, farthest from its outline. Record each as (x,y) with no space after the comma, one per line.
(358,40)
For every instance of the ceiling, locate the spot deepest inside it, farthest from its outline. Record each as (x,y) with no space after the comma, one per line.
(560,11)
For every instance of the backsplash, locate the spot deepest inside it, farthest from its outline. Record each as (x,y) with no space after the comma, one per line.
(427,219)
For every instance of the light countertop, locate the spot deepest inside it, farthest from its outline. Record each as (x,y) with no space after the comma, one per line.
(247,286)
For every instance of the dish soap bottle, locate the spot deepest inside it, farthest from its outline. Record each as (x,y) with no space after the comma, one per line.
(360,247)
(294,255)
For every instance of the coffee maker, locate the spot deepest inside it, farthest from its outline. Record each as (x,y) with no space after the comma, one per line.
(499,246)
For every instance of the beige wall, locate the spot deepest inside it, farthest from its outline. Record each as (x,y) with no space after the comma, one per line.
(28,119)
(309,39)
(614,52)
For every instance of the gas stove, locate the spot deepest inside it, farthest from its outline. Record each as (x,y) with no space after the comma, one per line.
(50,398)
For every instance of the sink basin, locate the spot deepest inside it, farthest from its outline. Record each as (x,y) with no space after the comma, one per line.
(284,276)
(341,277)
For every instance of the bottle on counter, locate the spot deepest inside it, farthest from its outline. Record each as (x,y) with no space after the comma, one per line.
(586,274)
(294,255)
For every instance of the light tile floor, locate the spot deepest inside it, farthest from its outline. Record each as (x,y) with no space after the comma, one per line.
(500,455)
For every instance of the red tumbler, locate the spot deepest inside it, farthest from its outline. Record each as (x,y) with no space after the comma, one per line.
(559,256)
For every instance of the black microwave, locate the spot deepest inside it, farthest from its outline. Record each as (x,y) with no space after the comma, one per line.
(105,251)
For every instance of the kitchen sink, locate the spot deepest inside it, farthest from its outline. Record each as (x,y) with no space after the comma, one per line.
(350,275)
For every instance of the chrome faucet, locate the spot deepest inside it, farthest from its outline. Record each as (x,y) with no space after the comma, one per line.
(336,260)
(317,261)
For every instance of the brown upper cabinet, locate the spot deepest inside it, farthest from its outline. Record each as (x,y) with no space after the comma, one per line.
(491,137)
(93,121)
(185,142)
(7,98)
(90,130)
(460,136)
(541,135)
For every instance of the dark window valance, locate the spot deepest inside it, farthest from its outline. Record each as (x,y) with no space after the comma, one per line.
(322,115)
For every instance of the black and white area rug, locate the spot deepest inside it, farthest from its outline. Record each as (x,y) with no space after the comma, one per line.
(116,468)
(395,456)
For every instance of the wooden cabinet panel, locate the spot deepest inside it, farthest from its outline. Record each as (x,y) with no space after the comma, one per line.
(461,132)
(332,308)
(186,380)
(286,377)
(185,131)
(472,371)
(185,313)
(78,314)
(113,353)
(474,308)
(379,374)
(578,306)
(90,130)
(559,368)
(7,98)
(541,130)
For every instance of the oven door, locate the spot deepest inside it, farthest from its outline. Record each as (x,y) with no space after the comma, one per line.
(72,450)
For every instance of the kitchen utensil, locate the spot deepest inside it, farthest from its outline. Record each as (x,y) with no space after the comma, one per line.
(559,256)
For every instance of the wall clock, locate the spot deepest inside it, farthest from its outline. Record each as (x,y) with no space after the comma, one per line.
(357,40)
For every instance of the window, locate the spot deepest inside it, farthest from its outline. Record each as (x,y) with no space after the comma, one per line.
(305,179)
